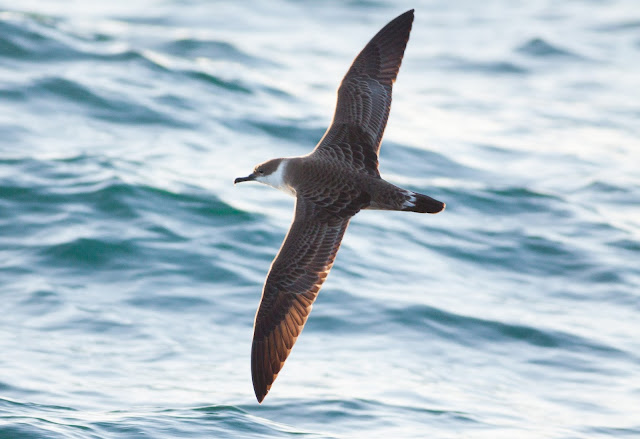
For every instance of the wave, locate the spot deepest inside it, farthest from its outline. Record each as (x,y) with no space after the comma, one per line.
(290,130)
(43,40)
(211,49)
(475,66)
(473,331)
(620,26)
(37,421)
(359,413)
(95,220)
(538,47)
(33,38)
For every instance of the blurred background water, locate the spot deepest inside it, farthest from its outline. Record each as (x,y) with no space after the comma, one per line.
(131,267)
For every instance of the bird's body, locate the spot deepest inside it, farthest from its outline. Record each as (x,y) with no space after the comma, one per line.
(331,184)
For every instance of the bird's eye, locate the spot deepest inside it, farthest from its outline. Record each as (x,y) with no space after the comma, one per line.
(261,171)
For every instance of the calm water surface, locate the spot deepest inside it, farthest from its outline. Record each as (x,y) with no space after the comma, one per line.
(131,267)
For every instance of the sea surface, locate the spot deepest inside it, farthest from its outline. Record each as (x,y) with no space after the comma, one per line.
(131,267)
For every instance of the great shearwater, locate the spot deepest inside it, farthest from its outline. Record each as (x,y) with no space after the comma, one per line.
(331,184)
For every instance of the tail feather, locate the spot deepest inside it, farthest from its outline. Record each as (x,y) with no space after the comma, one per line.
(416,202)
(385,196)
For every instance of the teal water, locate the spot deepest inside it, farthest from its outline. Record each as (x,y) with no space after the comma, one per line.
(131,267)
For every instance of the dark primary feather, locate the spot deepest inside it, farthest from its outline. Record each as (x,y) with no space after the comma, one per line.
(364,98)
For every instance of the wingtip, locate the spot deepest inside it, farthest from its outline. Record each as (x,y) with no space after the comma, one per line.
(259,388)
(405,16)
(260,392)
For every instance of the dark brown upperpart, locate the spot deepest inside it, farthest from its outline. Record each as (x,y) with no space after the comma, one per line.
(364,97)
(331,186)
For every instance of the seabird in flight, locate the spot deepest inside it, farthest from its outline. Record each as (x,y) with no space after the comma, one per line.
(331,184)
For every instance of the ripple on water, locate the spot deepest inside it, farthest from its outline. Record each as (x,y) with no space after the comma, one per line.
(630,25)
(83,253)
(40,302)
(101,104)
(358,413)
(214,50)
(469,331)
(172,303)
(209,421)
(540,48)
(235,86)
(467,65)
(33,38)
(290,130)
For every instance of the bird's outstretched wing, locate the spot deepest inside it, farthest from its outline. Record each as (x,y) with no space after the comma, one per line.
(296,275)
(364,99)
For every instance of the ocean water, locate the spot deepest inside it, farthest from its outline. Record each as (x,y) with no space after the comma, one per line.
(131,267)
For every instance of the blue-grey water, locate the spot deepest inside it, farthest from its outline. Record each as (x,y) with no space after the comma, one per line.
(131,267)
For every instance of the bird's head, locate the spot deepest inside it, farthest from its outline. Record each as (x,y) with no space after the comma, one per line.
(271,173)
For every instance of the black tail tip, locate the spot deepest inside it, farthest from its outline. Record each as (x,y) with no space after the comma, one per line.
(426,204)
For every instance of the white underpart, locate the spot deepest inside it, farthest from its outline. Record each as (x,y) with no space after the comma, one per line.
(411,202)
(276,179)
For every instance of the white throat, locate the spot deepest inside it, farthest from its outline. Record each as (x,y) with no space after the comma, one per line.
(276,179)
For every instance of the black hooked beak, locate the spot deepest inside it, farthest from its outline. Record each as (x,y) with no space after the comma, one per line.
(249,177)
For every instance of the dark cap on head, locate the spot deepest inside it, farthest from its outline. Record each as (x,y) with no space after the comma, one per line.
(266,168)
